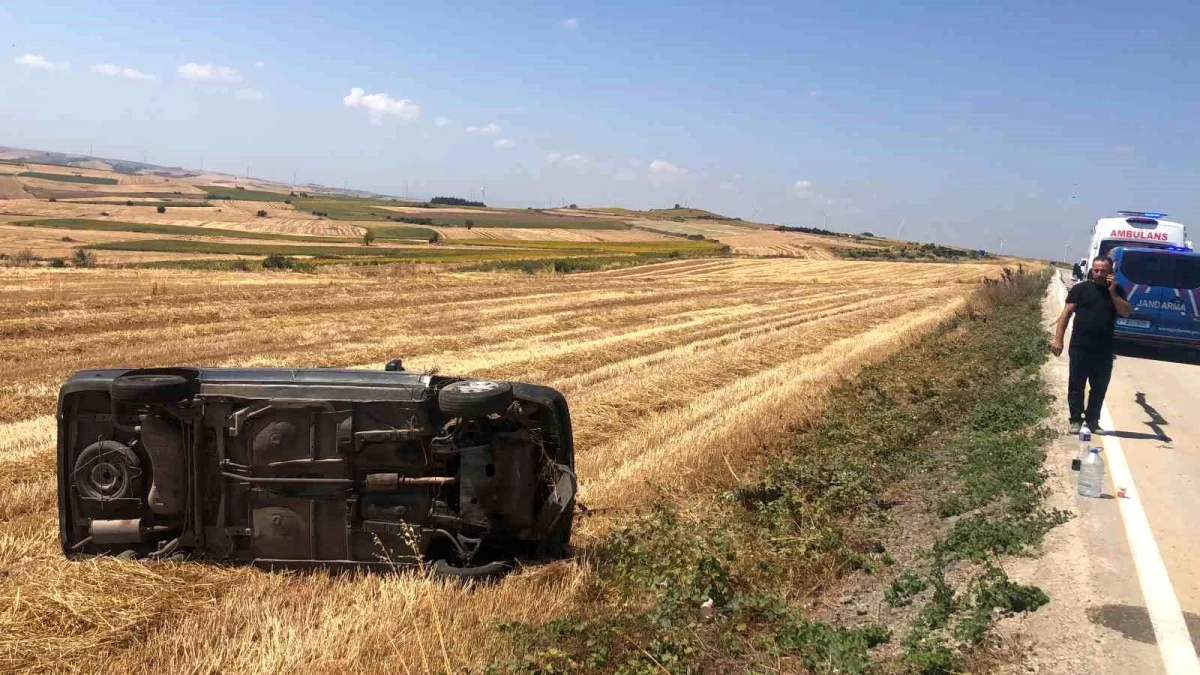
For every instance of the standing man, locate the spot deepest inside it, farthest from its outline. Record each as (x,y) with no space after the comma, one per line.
(1096,304)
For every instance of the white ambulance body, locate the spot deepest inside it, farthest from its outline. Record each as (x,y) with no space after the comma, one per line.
(1138,228)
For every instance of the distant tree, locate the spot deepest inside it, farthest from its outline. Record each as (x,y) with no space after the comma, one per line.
(291,194)
(470,223)
(162,209)
(867,234)
(239,187)
(454,201)
(128,202)
(572,206)
(66,239)
(104,213)
(262,213)
(278,261)
(81,257)
(24,258)
(287,201)
(368,237)
(678,206)
(435,238)
(53,199)
(58,262)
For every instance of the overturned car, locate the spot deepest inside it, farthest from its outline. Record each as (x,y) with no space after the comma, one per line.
(314,468)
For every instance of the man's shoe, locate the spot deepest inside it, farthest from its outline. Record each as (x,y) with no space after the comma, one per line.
(1095,427)
(1074,428)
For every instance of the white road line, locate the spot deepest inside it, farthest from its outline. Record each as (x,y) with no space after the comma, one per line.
(1170,629)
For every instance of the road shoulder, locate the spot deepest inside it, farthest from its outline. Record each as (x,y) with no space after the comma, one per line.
(1086,568)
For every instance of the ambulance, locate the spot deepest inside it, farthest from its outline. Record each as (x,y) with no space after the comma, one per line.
(1144,229)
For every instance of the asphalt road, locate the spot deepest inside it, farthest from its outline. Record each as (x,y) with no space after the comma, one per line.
(1112,608)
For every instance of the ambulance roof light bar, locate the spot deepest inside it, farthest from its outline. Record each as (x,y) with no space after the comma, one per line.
(1143,214)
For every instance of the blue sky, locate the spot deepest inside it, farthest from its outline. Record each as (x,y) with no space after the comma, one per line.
(1019,123)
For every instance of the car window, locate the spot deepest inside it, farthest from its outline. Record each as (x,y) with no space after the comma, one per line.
(1187,273)
(1148,268)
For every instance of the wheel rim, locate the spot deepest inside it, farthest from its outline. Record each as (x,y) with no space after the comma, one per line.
(477,386)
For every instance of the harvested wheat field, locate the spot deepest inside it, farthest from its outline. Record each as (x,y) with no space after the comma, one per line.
(769,243)
(676,374)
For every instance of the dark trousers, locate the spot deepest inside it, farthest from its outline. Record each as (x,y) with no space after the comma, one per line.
(1093,367)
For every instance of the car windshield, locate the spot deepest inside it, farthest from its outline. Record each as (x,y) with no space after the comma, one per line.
(1154,269)
(1109,244)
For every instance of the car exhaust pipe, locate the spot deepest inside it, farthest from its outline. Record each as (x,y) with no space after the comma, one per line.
(122,531)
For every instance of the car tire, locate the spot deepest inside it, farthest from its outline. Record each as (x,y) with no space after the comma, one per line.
(151,388)
(475,398)
(557,544)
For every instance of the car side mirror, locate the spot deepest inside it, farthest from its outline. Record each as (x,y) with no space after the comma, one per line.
(394,365)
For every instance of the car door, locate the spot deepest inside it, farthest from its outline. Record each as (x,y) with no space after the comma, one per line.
(1139,273)
(1178,317)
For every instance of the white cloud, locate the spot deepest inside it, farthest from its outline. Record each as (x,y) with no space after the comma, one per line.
(38,62)
(441,122)
(117,71)
(208,72)
(489,129)
(505,143)
(382,105)
(662,170)
(814,93)
(573,159)
(570,24)
(259,64)
(802,186)
(250,94)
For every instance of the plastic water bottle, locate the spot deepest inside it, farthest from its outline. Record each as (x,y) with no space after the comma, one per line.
(1091,475)
(1085,446)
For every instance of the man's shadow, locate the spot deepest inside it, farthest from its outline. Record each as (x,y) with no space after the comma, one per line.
(1156,423)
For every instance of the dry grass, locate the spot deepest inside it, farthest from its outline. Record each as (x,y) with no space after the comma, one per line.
(676,374)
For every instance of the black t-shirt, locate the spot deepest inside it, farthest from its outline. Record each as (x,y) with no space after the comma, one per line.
(1095,316)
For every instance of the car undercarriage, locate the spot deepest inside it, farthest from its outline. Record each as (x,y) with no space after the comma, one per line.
(328,468)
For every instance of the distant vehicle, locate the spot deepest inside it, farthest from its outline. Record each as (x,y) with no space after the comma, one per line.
(1147,229)
(1163,287)
(314,468)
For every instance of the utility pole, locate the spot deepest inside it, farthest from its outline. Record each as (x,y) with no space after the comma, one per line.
(293,180)
(824,220)
(1001,251)
(483,194)
(405,190)
(900,229)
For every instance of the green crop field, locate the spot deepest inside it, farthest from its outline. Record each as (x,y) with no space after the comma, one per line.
(684,246)
(177,230)
(64,178)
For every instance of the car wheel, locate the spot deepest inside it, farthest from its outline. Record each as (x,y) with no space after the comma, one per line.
(151,388)
(475,398)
